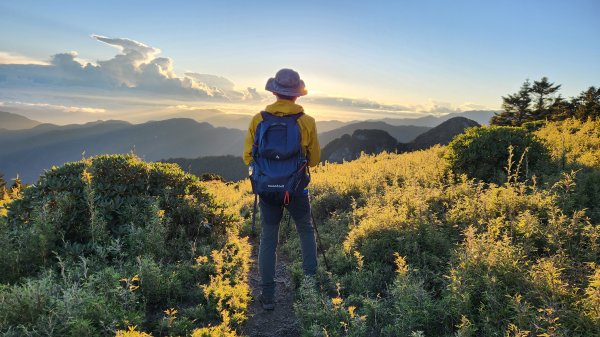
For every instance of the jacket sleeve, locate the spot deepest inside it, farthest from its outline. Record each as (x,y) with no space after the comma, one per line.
(313,149)
(247,156)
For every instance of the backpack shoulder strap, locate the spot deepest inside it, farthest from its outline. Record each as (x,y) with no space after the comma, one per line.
(298,115)
(269,116)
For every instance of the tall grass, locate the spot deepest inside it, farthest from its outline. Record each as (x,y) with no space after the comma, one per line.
(416,250)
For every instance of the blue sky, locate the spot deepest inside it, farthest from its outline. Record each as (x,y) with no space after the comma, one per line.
(408,56)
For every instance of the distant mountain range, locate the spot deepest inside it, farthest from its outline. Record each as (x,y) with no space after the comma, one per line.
(402,133)
(219,118)
(349,147)
(480,116)
(11,121)
(30,151)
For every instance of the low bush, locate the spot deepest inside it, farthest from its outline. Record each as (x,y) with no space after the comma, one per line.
(100,246)
(496,153)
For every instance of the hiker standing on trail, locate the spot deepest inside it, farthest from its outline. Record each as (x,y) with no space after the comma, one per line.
(280,145)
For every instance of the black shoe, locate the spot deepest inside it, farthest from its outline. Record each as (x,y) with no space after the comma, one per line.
(266,303)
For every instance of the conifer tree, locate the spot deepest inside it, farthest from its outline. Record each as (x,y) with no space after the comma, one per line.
(561,109)
(515,108)
(587,104)
(542,92)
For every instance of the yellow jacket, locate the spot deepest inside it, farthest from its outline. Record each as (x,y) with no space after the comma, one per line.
(308,130)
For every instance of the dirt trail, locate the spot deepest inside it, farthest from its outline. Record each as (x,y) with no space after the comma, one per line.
(279,322)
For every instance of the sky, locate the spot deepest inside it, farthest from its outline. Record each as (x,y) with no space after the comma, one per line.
(71,62)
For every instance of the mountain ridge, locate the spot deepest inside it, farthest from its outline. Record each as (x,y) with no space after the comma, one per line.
(12,121)
(441,134)
(28,152)
(180,137)
(373,141)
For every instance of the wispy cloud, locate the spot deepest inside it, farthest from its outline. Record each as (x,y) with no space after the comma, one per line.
(440,107)
(372,107)
(48,106)
(359,104)
(14,58)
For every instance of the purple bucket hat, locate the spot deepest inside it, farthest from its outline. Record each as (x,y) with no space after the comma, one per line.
(286,82)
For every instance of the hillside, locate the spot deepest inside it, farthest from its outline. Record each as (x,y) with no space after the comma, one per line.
(230,168)
(349,147)
(375,141)
(413,251)
(11,121)
(29,152)
(441,134)
(112,244)
(402,133)
(411,248)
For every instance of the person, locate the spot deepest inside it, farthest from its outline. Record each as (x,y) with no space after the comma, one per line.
(287,87)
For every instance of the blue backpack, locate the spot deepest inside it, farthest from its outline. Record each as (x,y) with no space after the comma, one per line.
(279,165)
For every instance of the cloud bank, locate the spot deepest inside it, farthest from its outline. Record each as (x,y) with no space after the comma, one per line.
(139,84)
(136,69)
(372,107)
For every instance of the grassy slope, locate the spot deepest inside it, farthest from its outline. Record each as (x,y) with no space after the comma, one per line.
(416,250)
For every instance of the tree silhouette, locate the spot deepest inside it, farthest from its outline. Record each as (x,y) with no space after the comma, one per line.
(587,104)
(547,104)
(561,109)
(542,92)
(516,108)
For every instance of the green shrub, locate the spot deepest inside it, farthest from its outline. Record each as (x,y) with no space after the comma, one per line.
(110,242)
(483,153)
(413,308)
(486,274)
(575,147)
(478,254)
(114,207)
(573,143)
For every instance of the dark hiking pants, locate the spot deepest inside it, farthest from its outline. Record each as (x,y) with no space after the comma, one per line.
(271,211)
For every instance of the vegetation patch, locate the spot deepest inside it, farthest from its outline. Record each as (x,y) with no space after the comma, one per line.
(417,249)
(114,245)
(496,153)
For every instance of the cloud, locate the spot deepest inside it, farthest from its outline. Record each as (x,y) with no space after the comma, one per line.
(361,104)
(136,70)
(131,49)
(13,58)
(362,108)
(226,87)
(137,79)
(48,106)
(252,94)
(440,107)
(213,81)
